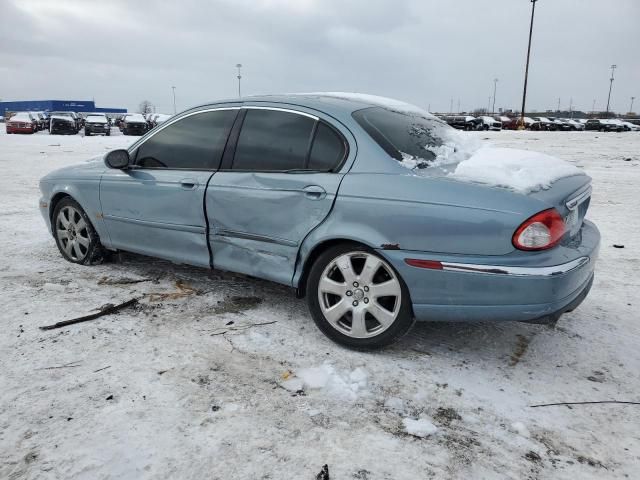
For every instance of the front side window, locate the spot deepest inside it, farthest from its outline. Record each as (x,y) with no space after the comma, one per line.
(273,140)
(195,142)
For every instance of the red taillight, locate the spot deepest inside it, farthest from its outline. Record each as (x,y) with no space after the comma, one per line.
(540,232)
(431,264)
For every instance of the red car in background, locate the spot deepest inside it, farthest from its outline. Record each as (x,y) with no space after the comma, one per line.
(22,122)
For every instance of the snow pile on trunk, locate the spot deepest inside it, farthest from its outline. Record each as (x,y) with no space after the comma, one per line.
(519,170)
(325,377)
(419,428)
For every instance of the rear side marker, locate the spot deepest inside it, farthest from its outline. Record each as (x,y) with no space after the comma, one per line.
(430,264)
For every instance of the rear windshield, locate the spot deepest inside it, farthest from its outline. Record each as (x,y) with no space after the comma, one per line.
(417,140)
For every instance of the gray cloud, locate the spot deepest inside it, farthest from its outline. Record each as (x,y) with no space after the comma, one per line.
(422,51)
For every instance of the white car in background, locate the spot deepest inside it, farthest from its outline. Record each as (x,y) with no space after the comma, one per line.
(630,126)
(488,123)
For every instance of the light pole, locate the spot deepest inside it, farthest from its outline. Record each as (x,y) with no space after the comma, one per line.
(631,106)
(174,99)
(526,70)
(488,104)
(613,67)
(239,66)
(495,84)
(593,107)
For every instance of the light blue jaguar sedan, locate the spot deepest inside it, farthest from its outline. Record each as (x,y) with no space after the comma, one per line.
(374,210)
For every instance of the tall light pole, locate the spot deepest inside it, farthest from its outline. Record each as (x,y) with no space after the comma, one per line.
(526,70)
(239,66)
(613,67)
(174,99)
(593,107)
(495,84)
(631,106)
(488,104)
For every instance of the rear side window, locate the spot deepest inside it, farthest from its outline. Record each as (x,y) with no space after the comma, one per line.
(193,143)
(273,140)
(328,149)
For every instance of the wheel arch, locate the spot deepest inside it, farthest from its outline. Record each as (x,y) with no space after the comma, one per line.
(300,280)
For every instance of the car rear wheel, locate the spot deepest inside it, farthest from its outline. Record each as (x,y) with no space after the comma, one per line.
(75,236)
(357,299)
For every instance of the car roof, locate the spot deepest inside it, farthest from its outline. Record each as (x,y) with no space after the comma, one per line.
(339,103)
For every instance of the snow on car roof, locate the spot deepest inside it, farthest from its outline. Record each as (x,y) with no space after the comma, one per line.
(134,117)
(96,117)
(20,116)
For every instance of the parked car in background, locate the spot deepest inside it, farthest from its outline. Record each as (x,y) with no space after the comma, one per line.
(96,124)
(21,122)
(509,123)
(532,124)
(160,118)
(134,124)
(602,125)
(574,124)
(630,126)
(561,124)
(62,123)
(462,122)
(283,188)
(488,123)
(545,123)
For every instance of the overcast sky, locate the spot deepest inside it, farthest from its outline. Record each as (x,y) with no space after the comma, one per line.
(422,51)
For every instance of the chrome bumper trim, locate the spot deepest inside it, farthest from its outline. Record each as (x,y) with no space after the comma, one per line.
(517,271)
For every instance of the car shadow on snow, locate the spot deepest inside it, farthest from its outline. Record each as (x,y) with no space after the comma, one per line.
(507,341)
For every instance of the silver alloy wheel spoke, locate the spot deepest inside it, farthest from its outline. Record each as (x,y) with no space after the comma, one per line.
(76,251)
(371,266)
(357,312)
(64,220)
(390,288)
(331,286)
(337,311)
(358,325)
(68,246)
(346,269)
(384,316)
(81,225)
(84,241)
(62,235)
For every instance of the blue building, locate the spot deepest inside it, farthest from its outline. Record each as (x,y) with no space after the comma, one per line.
(56,106)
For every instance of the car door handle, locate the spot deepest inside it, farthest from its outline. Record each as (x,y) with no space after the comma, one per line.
(314,192)
(188,183)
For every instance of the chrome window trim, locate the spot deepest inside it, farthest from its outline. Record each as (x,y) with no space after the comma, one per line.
(280,109)
(170,122)
(516,271)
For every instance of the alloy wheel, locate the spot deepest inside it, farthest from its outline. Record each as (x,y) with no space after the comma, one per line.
(72,233)
(359,294)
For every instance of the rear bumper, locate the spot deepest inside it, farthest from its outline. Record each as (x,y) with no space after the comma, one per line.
(516,287)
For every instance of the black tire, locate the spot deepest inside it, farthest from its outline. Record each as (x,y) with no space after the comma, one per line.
(87,133)
(93,252)
(398,328)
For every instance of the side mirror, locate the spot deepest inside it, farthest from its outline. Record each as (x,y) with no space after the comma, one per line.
(117,159)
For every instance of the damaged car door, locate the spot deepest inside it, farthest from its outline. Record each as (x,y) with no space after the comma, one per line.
(155,206)
(278,181)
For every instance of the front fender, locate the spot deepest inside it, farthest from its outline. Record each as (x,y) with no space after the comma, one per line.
(85,191)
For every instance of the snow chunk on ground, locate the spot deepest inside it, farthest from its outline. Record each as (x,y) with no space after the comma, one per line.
(325,377)
(519,170)
(520,429)
(419,428)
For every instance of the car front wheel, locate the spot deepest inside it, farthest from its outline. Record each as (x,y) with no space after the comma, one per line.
(76,238)
(357,299)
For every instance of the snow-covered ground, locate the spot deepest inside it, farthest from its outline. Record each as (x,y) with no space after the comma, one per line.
(161,391)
